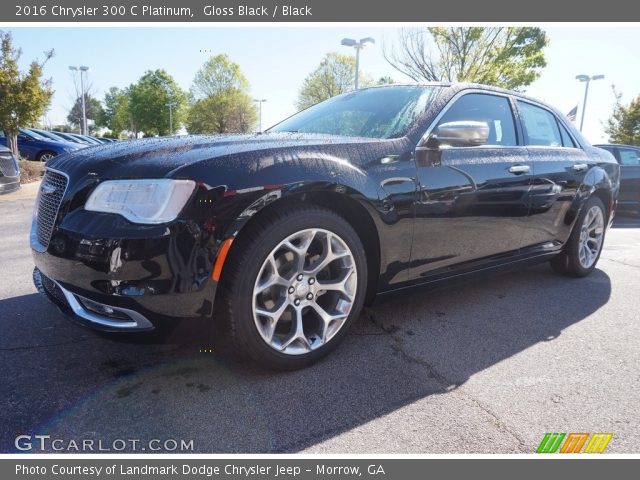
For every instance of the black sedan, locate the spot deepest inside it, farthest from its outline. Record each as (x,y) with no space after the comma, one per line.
(284,236)
(628,157)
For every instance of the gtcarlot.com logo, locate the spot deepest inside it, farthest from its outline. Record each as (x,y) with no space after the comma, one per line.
(45,443)
(573,442)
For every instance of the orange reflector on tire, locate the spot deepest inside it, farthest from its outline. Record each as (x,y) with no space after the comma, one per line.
(222,256)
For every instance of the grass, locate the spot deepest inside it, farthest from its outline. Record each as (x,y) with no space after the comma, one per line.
(30,171)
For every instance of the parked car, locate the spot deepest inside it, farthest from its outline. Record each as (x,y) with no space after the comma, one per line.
(33,146)
(71,138)
(289,233)
(628,157)
(9,171)
(48,134)
(87,139)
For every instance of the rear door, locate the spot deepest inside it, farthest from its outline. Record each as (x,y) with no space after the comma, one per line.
(472,204)
(629,159)
(559,168)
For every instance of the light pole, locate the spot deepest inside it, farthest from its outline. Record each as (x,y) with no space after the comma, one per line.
(350,42)
(260,101)
(171,105)
(83,69)
(586,79)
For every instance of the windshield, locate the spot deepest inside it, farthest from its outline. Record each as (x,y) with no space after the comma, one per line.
(32,134)
(384,112)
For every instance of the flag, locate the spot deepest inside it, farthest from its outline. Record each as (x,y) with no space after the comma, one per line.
(572,114)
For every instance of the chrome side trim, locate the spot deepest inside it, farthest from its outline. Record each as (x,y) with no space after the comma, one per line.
(138,321)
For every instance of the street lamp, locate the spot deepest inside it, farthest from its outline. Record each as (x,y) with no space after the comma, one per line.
(586,79)
(171,105)
(83,69)
(350,42)
(260,101)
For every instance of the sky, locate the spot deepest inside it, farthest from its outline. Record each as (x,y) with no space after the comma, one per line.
(276,60)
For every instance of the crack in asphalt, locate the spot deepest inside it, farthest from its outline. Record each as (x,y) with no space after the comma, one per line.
(620,262)
(447,385)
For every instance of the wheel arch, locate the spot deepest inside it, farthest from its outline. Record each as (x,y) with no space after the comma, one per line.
(348,204)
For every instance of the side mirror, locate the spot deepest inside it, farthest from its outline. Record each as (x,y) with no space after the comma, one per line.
(464,133)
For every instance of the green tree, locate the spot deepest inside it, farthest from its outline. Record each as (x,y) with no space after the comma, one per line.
(24,96)
(149,101)
(221,99)
(385,80)
(93,110)
(508,57)
(624,124)
(116,112)
(334,75)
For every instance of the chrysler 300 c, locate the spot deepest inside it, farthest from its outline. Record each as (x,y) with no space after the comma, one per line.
(285,235)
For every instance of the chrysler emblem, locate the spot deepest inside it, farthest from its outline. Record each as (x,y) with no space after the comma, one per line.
(48,189)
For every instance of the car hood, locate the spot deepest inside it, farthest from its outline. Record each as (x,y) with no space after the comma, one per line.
(159,157)
(51,144)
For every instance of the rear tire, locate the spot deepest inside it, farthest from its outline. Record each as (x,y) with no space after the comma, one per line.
(583,249)
(293,285)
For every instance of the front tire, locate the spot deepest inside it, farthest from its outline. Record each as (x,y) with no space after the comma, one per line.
(293,285)
(583,249)
(45,156)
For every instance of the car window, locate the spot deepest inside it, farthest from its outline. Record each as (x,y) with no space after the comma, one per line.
(629,156)
(492,109)
(567,141)
(541,126)
(384,112)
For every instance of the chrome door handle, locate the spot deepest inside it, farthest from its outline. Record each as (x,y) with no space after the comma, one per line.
(579,167)
(519,169)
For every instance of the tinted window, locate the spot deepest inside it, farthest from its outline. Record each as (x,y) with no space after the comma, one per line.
(629,156)
(541,126)
(567,141)
(385,112)
(493,110)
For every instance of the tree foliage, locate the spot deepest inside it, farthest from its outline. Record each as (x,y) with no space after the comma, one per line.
(116,112)
(624,124)
(335,75)
(149,99)
(93,110)
(508,57)
(222,103)
(24,96)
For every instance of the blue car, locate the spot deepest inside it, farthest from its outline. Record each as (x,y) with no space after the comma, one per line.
(33,146)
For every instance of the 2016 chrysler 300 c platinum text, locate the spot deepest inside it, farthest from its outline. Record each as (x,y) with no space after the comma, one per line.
(289,233)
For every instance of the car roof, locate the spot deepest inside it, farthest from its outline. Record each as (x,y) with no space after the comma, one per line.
(616,145)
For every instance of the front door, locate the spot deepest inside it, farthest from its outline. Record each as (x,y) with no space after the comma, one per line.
(472,204)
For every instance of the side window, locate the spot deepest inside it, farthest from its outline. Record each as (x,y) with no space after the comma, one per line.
(493,110)
(567,141)
(541,126)
(629,156)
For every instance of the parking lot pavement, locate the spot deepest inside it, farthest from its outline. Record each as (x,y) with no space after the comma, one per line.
(487,366)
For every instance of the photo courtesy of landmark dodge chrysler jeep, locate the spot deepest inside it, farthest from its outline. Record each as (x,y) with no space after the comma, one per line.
(285,235)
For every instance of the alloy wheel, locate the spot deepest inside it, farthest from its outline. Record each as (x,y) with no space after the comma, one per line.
(591,236)
(304,291)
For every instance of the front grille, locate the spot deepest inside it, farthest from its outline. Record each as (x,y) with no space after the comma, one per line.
(8,166)
(52,190)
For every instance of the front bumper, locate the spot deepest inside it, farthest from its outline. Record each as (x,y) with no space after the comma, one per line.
(9,184)
(111,275)
(89,312)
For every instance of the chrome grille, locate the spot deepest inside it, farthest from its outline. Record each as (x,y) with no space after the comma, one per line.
(51,192)
(8,165)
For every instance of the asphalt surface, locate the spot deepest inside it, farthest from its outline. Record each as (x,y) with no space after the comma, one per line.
(484,367)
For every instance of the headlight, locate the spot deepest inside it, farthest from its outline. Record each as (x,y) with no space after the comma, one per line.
(142,201)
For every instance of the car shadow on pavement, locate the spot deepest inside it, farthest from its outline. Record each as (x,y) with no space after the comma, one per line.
(68,382)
